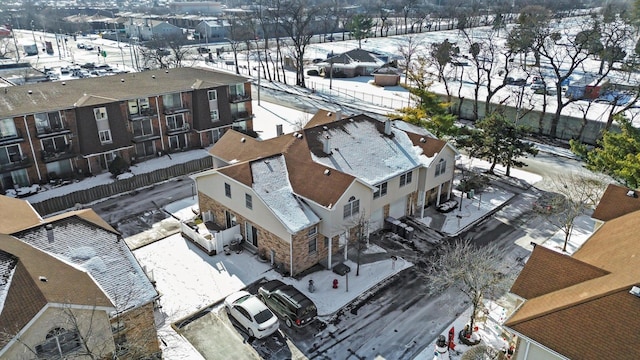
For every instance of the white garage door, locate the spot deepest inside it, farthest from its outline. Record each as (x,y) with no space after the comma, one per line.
(376,221)
(397,208)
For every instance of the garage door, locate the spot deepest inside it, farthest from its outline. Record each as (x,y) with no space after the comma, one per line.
(377,220)
(397,208)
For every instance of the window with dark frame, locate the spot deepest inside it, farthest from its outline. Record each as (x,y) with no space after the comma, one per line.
(381,190)
(313,245)
(406,178)
(227,190)
(441,166)
(248,201)
(352,208)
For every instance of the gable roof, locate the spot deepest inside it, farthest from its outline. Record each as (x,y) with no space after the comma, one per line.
(21,216)
(354,58)
(615,202)
(24,294)
(100,252)
(364,153)
(557,314)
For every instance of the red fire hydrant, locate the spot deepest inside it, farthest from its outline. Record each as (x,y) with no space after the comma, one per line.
(335,283)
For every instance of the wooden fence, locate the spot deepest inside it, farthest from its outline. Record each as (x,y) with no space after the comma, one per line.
(86,196)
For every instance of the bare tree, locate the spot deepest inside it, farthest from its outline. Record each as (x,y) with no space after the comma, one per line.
(571,195)
(475,271)
(298,23)
(408,48)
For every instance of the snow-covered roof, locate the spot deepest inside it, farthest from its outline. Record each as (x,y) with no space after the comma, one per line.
(101,253)
(360,149)
(271,183)
(7,268)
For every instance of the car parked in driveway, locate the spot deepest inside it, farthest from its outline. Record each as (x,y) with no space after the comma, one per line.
(294,307)
(252,314)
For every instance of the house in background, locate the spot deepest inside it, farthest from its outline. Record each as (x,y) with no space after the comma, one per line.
(352,63)
(299,198)
(59,130)
(387,75)
(582,306)
(147,29)
(71,286)
(213,30)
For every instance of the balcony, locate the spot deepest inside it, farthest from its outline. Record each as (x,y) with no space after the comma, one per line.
(171,130)
(143,114)
(52,130)
(176,109)
(139,138)
(241,116)
(7,139)
(57,154)
(17,162)
(236,98)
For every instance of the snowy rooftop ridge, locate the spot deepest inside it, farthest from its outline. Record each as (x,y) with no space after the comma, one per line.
(361,150)
(7,270)
(271,184)
(100,253)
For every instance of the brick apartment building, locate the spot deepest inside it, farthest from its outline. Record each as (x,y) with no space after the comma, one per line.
(75,128)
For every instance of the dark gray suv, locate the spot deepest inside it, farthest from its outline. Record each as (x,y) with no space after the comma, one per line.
(294,307)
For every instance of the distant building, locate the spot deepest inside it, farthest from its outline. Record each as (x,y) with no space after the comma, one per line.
(197,7)
(60,130)
(351,63)
(146,29)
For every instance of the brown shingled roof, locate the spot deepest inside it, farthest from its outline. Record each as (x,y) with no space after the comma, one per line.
(561,315)
(85,214)
(16,215)
(27,294)
(429,145)
(615,202)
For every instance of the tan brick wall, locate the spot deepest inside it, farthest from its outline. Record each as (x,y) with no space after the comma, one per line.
(140,331)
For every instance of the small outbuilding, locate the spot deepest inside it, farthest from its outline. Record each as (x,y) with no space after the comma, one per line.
(386,76)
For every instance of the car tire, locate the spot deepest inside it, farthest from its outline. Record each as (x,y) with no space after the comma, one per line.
(288,322)
(250,333)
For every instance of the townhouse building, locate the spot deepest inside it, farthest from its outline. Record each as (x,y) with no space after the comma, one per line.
(75,128)
(299,198)
(71,288)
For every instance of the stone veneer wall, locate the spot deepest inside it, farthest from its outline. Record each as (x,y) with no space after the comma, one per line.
(267,241)
(140,332)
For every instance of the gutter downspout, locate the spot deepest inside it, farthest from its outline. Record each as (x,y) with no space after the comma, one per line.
(330,253)
(33,153)
(291,257)
(159,122)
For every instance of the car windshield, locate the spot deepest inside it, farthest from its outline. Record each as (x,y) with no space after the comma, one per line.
(263,316)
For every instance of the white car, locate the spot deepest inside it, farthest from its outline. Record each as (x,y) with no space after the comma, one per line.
(252,314)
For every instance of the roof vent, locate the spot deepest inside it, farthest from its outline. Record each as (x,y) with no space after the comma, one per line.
(153,76)
(42,278)
(387,127)
(327,172)
(326,145)
(121,80)
(166,71)
(325,128)
(632,194)
(329,113)
(243,140)
(299,136)
(295,134)
(423,140)
(29,92)
(635,291)
(64,83)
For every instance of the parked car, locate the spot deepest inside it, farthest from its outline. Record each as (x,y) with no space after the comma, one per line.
(252,314)
(516,82)
(294,307)
(538,84)
(88,66)
(80,45)
(88,47)
(204,50)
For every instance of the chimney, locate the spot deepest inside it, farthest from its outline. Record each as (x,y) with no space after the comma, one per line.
(279,130)
(326,145)
(387,127)
(49,229)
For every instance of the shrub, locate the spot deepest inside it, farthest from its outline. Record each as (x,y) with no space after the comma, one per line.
(118,166)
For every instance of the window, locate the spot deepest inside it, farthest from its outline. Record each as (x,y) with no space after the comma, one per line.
(7,128)
(105,136)
(142,128)
(313,245)
(213,95)
(100,113)
(441,166)
(248,201)
(117,326)
(227,190)
(59,342)
(381,190)
(175,122)
(406,178)
(172,101)
(122,346)
(214,115)
(351,208)
(236,90)
(10,154)
(312,231)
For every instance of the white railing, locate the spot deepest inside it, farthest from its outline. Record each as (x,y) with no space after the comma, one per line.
(211,241)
